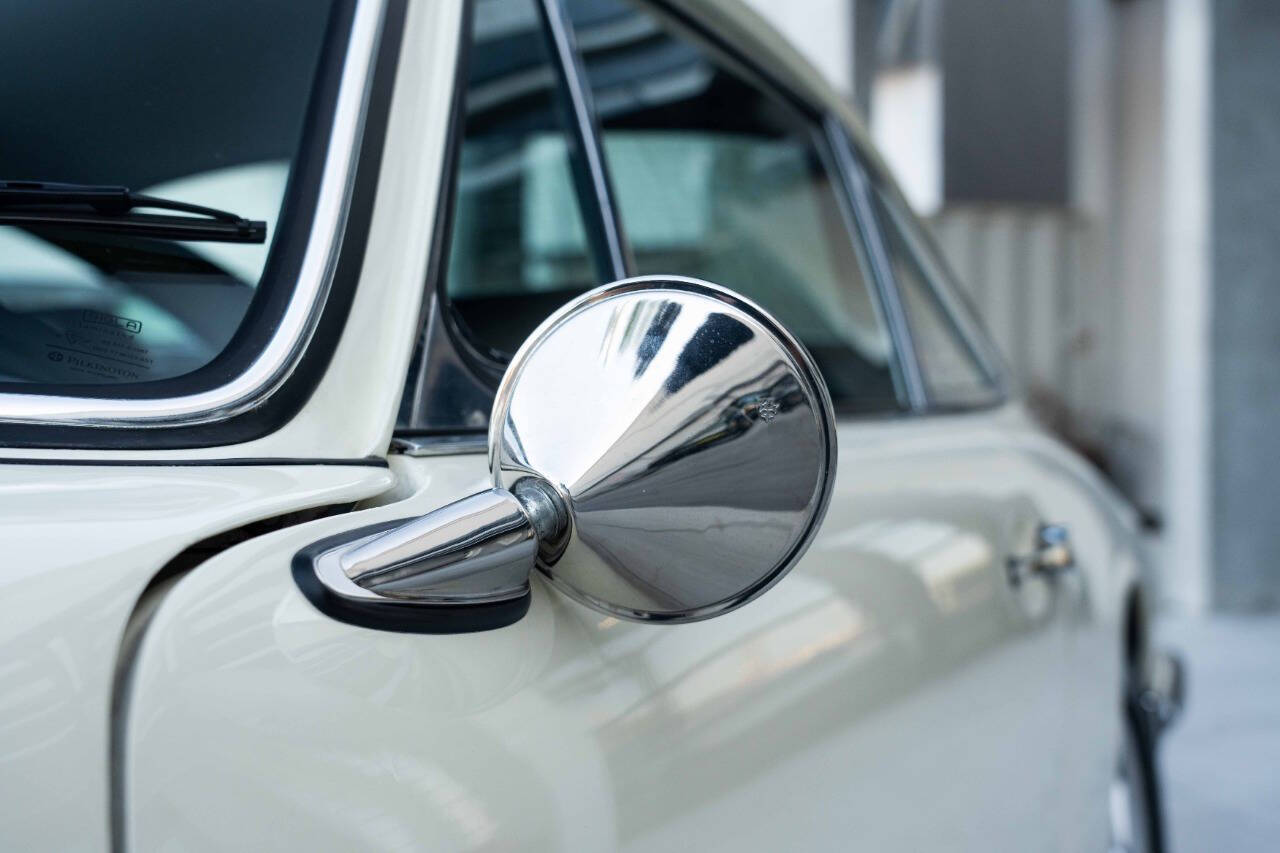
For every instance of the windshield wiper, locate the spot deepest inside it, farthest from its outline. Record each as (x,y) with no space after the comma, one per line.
(105,208)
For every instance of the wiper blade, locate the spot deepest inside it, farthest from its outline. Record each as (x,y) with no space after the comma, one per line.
(114,209)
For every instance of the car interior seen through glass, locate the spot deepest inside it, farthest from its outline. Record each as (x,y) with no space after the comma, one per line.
(519,246)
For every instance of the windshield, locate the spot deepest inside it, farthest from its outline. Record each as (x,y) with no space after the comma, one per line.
(202,103)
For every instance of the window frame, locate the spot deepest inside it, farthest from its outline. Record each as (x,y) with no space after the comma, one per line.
(606,241)
(444,340)
(833,147)
(857,171)
(283,347)
(855,186)
(942,289)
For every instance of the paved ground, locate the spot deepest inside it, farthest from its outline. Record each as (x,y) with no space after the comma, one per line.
(1222,761)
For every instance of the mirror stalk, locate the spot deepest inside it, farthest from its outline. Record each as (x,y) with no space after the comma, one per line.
(476,550)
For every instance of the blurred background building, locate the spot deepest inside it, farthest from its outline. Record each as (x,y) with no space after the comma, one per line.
(1104,175)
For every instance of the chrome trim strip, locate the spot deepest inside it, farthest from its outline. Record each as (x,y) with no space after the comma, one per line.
(578,90)
(857,187)
(946,291)
(277,360)
(439,445)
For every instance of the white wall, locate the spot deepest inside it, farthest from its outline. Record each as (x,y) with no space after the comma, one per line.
(821,29)
(1186,233)
(906,124)
(1140,175)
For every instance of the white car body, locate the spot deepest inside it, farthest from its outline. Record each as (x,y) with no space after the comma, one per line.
(893,692)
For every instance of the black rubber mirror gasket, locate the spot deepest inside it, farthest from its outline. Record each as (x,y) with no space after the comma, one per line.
(404,617)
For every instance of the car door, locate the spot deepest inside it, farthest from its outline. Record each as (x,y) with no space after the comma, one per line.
(1096,596)
(895,691)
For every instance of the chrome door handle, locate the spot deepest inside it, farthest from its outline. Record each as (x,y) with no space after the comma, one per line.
(1051,555)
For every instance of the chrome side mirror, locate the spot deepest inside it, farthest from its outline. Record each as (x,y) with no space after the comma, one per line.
(661,449)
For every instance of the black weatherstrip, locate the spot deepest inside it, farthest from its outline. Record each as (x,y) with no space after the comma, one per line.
(406,617)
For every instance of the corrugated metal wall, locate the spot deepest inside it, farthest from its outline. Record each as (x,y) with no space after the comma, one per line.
(1026,270)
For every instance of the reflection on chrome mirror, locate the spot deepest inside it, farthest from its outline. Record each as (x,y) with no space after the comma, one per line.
(661,449)
(688,433)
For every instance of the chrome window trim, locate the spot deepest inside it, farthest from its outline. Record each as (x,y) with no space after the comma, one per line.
(946,292)
(853,185)
(859,186)
(274,364)
(444,444)
(606,240)
(577,91)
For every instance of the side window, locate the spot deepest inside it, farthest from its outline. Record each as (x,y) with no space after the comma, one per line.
(716,178)
(519,248)
(946,335)
(713,176)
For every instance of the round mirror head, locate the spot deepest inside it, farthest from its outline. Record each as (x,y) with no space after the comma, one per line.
(689,435)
